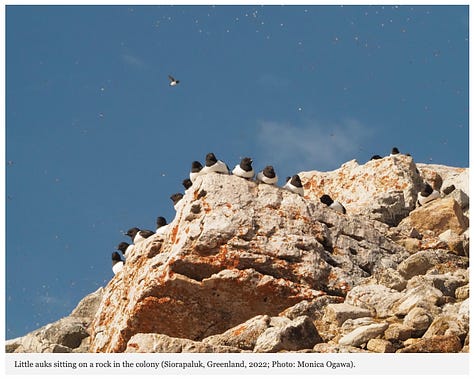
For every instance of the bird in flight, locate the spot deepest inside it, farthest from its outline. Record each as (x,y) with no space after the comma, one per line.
(173,81)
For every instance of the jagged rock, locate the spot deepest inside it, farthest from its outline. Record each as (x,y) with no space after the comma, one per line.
(460,197)
(363,334)
(378,345)
(160,343)
(436,344)
(383,189)
(67,335)
(252,250)
(389,278)
(419,319)
(421,262)
(447,325)
(423,295)
(314,309)
(446,283)
(437,216)
(398,332)
(454,241)
(243,336)
(462,293)
(339,313)
(335,348)
(374,297)
(297,334)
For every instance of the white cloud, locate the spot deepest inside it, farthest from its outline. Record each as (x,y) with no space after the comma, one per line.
(310,146)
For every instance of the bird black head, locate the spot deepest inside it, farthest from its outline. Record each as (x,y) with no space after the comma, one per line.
(132,232)
(269,172)
(123,247)
(375,157)
(427,190)
(187,183)
(395,151)
(326,199)
(176,197)
(210,159)
(296,181)
(160,221)
(116,257)
(246,164)
(196,166)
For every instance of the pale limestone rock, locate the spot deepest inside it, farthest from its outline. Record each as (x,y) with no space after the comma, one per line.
(243,336)
(363,334)
(383,189)
(437,216)
(436,344)
(457,176)
(419,319)
(314,309)
(374,297)
(462,293)
(423,296)
(398,332)
(378,345)
(336,348)
(160,343)
(339,313)
(460,197)
(297,334)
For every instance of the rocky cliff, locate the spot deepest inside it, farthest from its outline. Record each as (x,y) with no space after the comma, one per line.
(253,267)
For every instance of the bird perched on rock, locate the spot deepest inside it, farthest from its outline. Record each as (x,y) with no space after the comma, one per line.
(173,81)
(161,225)
(244,168)
(176,198)
(187,183)
(336,205)
(395,151)
(214,165)
(125,248)
(117,262)
(138,235)
(294,185)
(427,194)
(375,157)
(267,176)
(196,168)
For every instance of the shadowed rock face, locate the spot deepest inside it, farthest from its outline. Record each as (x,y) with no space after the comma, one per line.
(236,250)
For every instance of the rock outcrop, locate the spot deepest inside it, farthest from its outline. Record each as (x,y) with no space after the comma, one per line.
(247,267)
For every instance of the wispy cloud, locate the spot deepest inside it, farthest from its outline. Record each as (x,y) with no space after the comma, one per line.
(133,60)
(310,146)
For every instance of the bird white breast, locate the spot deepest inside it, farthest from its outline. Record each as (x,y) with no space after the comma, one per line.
(337,206)
(194,175)
(262,178)
(117,267)
(138,238)
(423,200)
(162,229)
(242,173)
(219,167)
(128,250)
(294,189)
(172,84)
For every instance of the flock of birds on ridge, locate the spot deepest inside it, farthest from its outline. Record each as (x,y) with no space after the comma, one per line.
(244,170)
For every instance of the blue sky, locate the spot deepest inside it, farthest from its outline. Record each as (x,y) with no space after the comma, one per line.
(96,140)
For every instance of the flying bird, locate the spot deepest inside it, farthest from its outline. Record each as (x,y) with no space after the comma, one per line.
(173,81)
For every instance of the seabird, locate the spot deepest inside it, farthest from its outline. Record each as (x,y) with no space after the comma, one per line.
(161,225)
(176,198)
(117,262)
(427,194)
(214,165)
(244,168)
(395,151)
(138,235)
(375,157)
(336,205)
(294,185)
(187,183)
(267,176)
(173,81)
(196,168)
(125,248)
